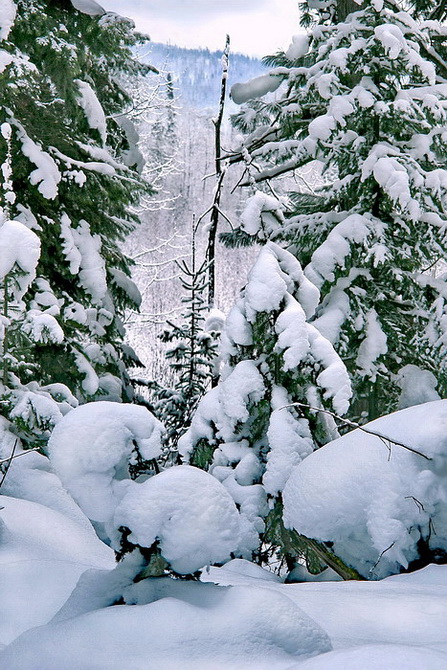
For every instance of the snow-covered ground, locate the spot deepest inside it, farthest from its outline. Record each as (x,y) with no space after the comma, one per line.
(238,617)
(67,605)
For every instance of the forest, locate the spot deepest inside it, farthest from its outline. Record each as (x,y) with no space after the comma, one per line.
(223,343)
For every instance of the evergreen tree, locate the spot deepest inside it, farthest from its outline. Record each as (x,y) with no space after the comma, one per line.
(191,355)
(245,430)
(71,183)
(362,98)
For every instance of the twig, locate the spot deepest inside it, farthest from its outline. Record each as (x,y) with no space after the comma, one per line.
(356,425)
(8,461)
(371,572)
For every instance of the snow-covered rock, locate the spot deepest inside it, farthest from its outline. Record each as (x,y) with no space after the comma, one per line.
(375,500)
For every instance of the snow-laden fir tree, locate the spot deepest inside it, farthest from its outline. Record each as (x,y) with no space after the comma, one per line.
(245,430)
(71,182)
(362,97)
(191,354)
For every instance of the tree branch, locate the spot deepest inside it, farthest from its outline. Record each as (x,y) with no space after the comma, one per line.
(384,438)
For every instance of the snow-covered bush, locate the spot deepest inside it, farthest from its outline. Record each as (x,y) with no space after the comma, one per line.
(187,512)
(381,505)
(94,450)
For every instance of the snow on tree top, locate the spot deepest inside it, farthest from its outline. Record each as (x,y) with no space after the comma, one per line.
(89,7)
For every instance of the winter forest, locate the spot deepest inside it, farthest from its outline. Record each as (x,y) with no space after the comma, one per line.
(223,343)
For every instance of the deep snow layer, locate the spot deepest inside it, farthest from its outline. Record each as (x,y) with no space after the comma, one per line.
(241,618)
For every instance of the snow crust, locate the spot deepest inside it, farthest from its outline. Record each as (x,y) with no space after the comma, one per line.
(374,499)
(188,511)
(91,448)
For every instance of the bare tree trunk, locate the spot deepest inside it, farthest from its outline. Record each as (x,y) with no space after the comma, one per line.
(211,251)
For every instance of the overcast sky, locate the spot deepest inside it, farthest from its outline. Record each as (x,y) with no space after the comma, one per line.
(256,27)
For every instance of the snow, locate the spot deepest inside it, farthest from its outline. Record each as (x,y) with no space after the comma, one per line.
(372,498)
(89,7)
(8,11)
(337,247)
(46,176)
(20,249)
(42,327)
(404,611)
(42,555)
(255,88)
(299,47)
(127,285)
(190,513)
(225,406)
(90,382)
(262,213)
(71,252)
(92,275)
(289,439)
(276,273)
(372,347)
(91,448)
(417,386)
(243,627)
(93,110)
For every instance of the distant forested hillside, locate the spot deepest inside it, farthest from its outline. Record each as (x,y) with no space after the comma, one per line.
(198,71)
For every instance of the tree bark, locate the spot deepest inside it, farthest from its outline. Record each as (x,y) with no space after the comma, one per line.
(345,7)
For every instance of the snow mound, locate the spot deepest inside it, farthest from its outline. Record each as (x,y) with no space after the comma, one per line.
(246,627)
(188,510)
(376,500)
(42,555)
(91,449)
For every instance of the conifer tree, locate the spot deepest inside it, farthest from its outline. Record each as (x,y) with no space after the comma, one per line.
(73,184)
(362,98)
(246,430)
(191,355)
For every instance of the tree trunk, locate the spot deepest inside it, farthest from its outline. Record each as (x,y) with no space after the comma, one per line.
(345,7)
